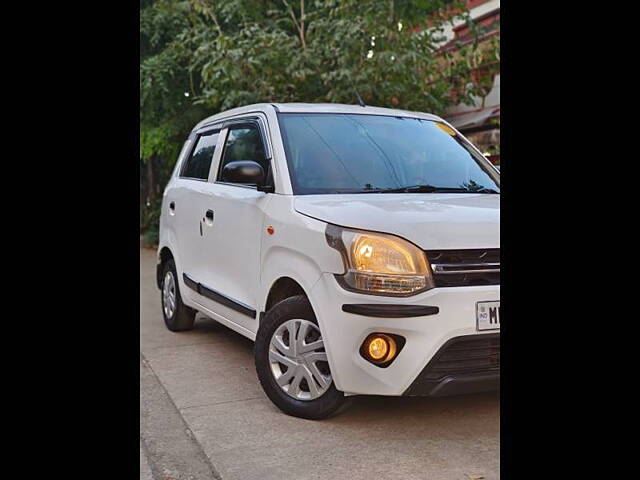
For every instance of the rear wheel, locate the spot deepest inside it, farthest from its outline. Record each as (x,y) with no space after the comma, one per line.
(177,316)
(291,361)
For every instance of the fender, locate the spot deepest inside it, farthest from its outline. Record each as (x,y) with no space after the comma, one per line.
(304,254)
(282,262)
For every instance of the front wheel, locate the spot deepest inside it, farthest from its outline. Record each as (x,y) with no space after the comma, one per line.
(291,361)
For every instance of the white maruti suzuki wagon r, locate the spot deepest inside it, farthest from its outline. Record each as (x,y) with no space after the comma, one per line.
(359,247)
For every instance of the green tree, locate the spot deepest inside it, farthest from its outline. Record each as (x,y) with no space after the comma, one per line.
(199,57)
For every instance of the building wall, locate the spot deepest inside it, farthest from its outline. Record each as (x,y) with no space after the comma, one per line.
(486,138)
(490,101)
(477,8)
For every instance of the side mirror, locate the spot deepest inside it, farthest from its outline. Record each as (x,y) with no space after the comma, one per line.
(243,171)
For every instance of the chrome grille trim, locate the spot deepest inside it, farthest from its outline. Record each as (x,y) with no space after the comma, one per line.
(465,267)
(456,268)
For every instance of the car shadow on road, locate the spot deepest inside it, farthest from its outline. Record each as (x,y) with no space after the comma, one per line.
(365,408)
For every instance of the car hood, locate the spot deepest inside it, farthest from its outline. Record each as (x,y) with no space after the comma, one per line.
(433,221)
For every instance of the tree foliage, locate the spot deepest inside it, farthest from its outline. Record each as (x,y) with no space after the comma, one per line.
(199,57)
(226,54)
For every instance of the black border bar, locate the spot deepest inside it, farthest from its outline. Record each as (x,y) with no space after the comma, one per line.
(218,297)
(389,310)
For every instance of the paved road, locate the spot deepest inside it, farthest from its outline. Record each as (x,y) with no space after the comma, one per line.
(204,415)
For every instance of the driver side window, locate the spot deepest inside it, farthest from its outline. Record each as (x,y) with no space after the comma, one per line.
(243,143)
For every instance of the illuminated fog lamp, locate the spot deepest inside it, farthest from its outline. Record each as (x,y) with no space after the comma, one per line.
(379,348)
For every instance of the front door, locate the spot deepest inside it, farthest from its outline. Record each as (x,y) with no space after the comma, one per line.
(233,233)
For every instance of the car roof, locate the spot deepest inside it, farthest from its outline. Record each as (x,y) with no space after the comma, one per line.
(316,108)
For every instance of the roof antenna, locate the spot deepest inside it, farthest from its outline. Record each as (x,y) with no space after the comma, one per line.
(360,101)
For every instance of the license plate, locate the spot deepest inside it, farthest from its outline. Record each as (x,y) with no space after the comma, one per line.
(488,315)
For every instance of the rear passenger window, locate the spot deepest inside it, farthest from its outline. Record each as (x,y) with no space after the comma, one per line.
(243,143)
(199,162)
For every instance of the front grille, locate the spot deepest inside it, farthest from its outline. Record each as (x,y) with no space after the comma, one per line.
(459,268)
(464,355)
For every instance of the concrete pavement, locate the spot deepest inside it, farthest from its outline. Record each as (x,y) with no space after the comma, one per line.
(211,417)
(145,468)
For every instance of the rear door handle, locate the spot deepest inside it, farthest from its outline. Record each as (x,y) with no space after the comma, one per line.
(172,208)
(209,217)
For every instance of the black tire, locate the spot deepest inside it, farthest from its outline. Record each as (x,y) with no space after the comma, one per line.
(327,404)
(183,317)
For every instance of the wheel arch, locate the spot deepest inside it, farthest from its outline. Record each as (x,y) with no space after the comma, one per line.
(164,254)
(283,288)
(286,272)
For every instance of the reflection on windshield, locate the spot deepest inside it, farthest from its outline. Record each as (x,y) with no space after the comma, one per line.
(343,153)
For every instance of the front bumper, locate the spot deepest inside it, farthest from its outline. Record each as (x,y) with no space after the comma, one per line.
(456,385)
(466,364)
(344,332)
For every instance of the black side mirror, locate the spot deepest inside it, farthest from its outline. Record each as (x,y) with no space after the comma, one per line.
(243,171)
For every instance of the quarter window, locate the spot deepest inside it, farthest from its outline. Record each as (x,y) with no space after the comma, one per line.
(244,143)
(199,162)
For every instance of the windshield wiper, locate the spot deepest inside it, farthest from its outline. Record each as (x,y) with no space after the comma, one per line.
(483,190)
(432,189)
(425,188)
(422,189)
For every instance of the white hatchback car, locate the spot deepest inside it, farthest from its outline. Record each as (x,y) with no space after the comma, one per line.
(359,247)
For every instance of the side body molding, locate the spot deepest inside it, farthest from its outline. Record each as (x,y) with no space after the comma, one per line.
(211,294)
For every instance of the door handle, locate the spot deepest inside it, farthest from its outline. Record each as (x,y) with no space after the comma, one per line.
(208,218)
(172,208)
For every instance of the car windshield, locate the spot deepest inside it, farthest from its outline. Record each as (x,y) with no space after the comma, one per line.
(354,153)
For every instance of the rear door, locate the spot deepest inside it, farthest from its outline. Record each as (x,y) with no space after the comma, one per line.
(186,204)
(232,236)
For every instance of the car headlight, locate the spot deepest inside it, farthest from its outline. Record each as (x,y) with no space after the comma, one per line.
(380,264)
